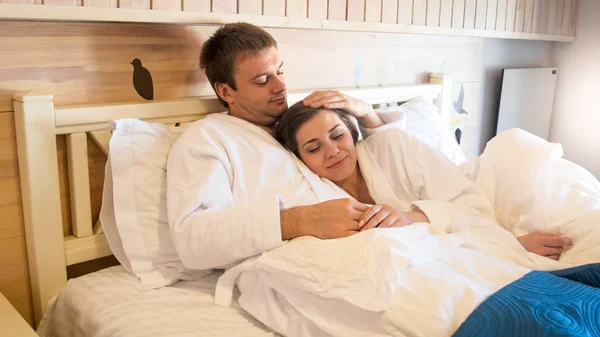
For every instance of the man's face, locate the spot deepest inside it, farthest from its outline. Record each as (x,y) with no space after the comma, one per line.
(260,97)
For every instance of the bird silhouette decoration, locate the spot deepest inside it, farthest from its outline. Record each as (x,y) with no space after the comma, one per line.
(142,80)
(458,104)
(458,107)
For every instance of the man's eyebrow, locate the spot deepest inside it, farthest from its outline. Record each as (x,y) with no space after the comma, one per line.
(265,74)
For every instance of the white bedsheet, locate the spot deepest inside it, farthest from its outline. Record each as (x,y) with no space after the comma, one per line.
(111,302)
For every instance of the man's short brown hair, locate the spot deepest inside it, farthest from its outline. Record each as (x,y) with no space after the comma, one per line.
(231,43)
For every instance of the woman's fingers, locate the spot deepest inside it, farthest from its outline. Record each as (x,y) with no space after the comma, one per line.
(368,214)
(376,219)
(548,251)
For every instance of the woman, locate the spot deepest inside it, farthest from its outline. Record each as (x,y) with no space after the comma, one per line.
(404,179)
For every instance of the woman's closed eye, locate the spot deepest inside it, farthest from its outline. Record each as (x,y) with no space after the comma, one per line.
(337,135)
(313,149)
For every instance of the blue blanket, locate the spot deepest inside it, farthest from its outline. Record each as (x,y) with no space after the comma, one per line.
(550,304)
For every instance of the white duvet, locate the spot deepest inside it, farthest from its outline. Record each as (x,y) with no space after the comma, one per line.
(424,280)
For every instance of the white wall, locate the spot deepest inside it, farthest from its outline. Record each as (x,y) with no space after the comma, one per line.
(499,54)
(576,117)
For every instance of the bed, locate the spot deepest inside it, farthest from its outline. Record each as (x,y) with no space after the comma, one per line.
(111,302)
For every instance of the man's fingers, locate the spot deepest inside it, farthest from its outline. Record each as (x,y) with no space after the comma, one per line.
(318,103)
(318,95)
(336,105)
(359,206)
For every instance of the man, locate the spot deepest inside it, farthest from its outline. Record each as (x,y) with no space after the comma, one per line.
(233,190)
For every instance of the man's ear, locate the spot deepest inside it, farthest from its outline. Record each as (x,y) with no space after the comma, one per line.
(225,92)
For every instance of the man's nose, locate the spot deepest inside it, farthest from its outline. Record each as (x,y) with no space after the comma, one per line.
(279,84)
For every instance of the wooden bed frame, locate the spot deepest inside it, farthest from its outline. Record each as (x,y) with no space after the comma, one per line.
(38,122)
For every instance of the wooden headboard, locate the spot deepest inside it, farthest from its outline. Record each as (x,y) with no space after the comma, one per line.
(38,123)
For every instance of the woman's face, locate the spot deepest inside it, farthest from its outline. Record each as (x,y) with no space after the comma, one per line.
(326,146)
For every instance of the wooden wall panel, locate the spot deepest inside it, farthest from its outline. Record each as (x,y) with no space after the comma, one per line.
(433,13)
(419,12)
(252,7)
(373,10)
(528,16)
(458,13)
(274,7)
(356,10)
(336,10)
(574,16)
(296,8)
(544,16)
(135,4)
(63,2)
(520,16)
(196,5)
(560,9)
(90,63)
(167,5)
(224,6)
(470,9)
(511,15)
(480,14)
(317,9)
(38,2)
(492,13)
(100,3)
(389,11)
(14,275)
(567,17)
(446,13)
(405,12)
(537,16)
(501,15)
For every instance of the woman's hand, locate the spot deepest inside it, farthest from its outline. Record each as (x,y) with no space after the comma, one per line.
(549,245)
(333,99)
(385,216)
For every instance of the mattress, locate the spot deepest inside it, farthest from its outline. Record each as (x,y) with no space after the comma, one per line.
(112,303)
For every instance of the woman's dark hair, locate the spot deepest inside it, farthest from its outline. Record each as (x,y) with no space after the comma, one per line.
(298,114)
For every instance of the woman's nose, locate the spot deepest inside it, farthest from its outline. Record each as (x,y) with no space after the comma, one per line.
(331,150)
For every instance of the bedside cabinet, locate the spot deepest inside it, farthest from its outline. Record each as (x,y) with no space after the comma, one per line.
(11,322)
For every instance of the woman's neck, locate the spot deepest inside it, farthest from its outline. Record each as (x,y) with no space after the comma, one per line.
(356,186)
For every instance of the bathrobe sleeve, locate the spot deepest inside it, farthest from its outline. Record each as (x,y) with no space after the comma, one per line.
(441,186)
(208,228)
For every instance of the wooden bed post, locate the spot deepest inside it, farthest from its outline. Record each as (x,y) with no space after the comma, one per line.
(38,168)
(444,100)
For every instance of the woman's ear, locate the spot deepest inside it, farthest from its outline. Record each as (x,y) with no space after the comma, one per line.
(225,92)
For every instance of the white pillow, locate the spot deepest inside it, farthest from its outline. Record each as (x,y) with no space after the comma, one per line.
(422,120)
(138,158)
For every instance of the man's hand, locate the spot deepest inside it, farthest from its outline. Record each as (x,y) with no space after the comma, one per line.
(333,99)
(545,244)
(385,216)
(327,220)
